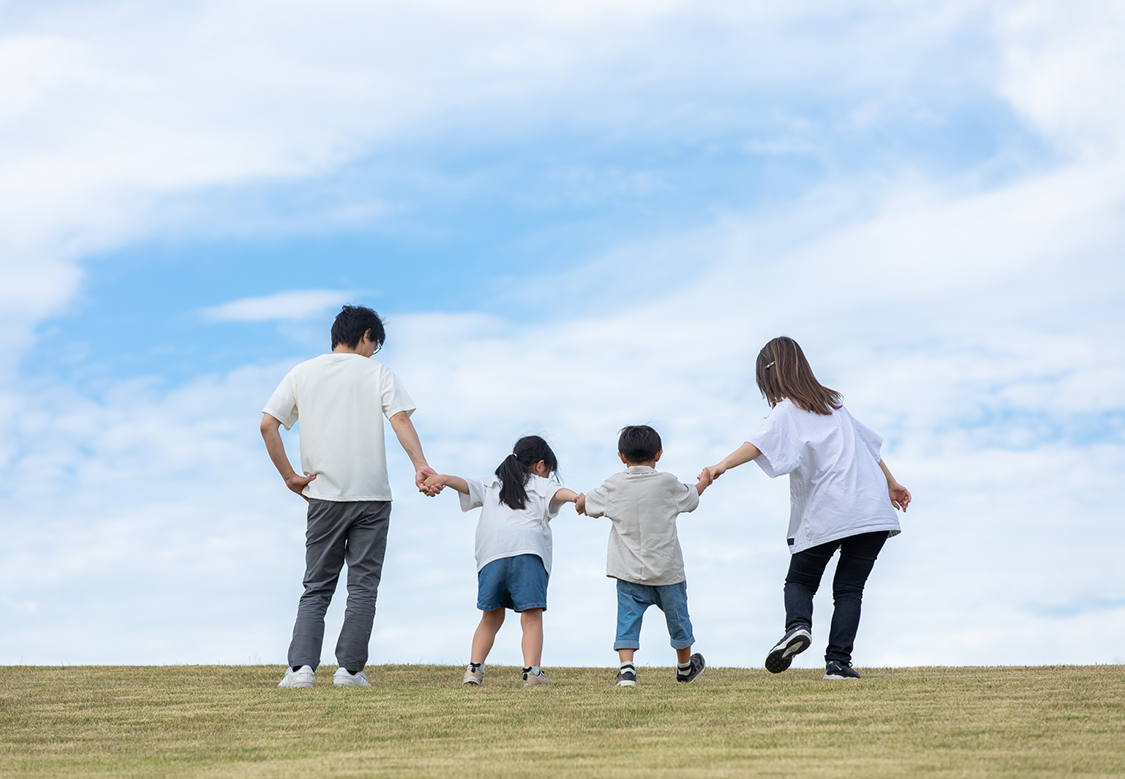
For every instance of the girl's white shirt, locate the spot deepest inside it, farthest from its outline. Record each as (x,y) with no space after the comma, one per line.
(506,532)
(836,487)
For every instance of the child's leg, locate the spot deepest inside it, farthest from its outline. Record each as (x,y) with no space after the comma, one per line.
(490,622)
(532,623)
(802,582)
(632,600)
(672,600)
(625,655)
(857,557)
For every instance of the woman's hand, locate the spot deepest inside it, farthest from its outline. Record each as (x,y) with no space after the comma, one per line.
(900,496)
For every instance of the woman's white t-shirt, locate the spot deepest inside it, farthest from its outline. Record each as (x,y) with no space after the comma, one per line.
(506,532)
(836,486)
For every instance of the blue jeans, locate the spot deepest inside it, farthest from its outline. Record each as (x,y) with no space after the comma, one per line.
(634,599)
(857,558)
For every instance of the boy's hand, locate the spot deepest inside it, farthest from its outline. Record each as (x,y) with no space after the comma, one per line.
(580,503)
(900,496)
(710,473)
(433,484)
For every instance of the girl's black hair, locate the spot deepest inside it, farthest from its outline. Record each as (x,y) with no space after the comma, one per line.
(513,472)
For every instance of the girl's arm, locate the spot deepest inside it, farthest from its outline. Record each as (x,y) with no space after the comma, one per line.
(444,480)
(739,456)
(900,496)
(564,495)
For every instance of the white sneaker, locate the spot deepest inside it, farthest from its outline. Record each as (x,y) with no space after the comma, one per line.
(344,679)
(302,677)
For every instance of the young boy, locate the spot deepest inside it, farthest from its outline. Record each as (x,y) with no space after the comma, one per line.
(644,551)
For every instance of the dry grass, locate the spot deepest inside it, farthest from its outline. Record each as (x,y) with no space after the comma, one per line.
(419,721)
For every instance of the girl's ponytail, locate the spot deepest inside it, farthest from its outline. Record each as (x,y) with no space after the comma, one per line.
(513,472)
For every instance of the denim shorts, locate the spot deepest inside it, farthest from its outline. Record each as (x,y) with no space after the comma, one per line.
(634,599)
(518,583)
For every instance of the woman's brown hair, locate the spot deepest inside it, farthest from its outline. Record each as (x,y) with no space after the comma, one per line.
(783,372)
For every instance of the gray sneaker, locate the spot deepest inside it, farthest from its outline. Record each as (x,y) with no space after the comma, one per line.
(344,679)
(626,678)
(695,671)
(535,677)
(473,675)
(302,677)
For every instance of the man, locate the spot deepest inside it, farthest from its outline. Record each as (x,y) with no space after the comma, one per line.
(341,399)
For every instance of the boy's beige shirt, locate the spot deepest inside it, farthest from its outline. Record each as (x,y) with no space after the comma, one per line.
(643,503)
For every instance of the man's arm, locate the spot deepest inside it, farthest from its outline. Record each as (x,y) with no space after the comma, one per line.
(271,433)
(408,437)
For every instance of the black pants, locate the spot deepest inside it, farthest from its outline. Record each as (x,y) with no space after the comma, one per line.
(857,557)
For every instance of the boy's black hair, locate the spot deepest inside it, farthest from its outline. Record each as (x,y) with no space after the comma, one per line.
(515,469)
(352,322)
(639,443)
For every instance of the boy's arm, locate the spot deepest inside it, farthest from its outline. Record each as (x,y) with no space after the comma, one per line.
(271,433)
(900,496)
(408,437)
(438,480)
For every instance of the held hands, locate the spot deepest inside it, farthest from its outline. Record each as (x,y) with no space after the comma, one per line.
(710,473)
(428,481)
(900,496)
(580,503)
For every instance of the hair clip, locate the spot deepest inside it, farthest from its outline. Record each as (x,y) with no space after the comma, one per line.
(770,365)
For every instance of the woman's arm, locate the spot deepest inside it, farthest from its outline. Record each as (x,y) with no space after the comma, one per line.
(739,456)
(444,480)
(900,496)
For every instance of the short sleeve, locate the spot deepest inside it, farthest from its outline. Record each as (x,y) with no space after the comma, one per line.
(872,440)
(779,455)
(394,396)
(475,498)
(597,502)
(546,489)
(282,405)
(687,497)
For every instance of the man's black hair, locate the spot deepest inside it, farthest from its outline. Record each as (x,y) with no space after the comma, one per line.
(639,443)
(352,322)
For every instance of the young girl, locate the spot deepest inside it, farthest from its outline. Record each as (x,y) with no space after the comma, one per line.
(513,548)
(843,497)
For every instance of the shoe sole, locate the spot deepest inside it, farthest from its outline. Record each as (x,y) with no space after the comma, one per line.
(781,656)
(474,682)
(625,683)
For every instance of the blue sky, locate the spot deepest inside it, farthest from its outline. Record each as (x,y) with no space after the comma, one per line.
(575,218)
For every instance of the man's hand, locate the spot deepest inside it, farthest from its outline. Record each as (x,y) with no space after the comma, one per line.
(580,503)
(298,483)
(705,480)
(423,478)
(900,496)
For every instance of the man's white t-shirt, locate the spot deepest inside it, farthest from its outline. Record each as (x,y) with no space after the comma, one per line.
(341,400)
(836,486)
(506,532)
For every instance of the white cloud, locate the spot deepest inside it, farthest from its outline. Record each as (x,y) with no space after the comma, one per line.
(279,307)
(147,526)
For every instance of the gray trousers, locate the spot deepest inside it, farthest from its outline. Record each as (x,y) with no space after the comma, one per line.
(355,533)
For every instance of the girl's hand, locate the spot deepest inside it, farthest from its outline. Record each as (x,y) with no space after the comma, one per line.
(900,496)
(580,503)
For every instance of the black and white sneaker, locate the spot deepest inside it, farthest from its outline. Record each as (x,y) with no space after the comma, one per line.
(626,677)
(781,656)
(836,670)
(698,664)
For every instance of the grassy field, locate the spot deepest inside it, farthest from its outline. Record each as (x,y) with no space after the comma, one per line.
(224,721)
